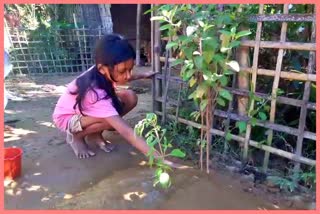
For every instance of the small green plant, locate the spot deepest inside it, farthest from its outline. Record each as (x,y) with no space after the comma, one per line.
(158,143)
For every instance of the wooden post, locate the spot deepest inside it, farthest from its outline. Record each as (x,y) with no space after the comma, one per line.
(138,25)
(275,87)
(253,82)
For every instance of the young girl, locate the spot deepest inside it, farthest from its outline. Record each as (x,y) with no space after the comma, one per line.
(91,104)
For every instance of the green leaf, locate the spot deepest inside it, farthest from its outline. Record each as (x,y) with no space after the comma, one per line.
(234,44)
(203,104)
(253,121)
(262,115)
(171,44)
(188,52)
(225,94)
(208,55)
(198,61)
(234,65)
(233,30)
(228,136)
(242,33)
(201,90)
(227,33)
(224,49)
(183,38)
(192,81)
(218,58)
(158,172)
(177,153)
(221,102)
(266,108)
(176,62)
(165,27)
(223,80)
(242,125)
(201,23)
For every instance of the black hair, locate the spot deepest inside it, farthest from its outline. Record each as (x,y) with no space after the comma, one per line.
(110,50)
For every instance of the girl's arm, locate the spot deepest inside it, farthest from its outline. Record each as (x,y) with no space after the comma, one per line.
(128,133)
(142,75)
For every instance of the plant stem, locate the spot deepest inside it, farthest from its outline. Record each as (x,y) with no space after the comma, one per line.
(159,139)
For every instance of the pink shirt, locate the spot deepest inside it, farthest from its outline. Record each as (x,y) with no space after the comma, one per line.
(92,105)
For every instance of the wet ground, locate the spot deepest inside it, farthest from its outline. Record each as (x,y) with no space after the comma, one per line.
(52,178)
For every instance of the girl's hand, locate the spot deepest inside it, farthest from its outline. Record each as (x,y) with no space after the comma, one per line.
(176,165)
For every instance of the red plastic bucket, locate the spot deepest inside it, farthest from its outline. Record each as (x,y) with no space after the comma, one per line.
(12,162)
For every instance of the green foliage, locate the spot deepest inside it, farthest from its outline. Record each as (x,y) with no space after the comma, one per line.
(290,183)
(205,53)
(157,140)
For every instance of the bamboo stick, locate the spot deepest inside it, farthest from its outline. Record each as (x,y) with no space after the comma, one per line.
(282,18)
(270,149)
(306,95)
(166,86)
(157,64)
(253,82)
(153,85)
(283,45)
(275,87)
(85,47)
(283,74)
(230,109)
(79,41)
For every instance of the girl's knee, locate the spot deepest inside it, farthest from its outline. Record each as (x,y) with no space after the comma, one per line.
(131,97)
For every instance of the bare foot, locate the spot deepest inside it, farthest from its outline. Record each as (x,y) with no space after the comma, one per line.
(8,128)
(105,146)
(79,147)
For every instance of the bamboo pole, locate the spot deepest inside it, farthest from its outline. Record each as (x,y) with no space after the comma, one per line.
(275,87)
(153,85)
(253,82)
(230,109)
(282,18)
(85,46)
(138,25)
(279,152)
(165,86)
(157,64)
(283,74)
(79,41)
(283,45)
(305,99)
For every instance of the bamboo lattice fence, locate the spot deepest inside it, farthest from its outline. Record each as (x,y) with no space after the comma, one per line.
(52,52)
(162,80)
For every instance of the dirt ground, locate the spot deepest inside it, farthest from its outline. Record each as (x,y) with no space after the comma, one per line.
(52,178)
